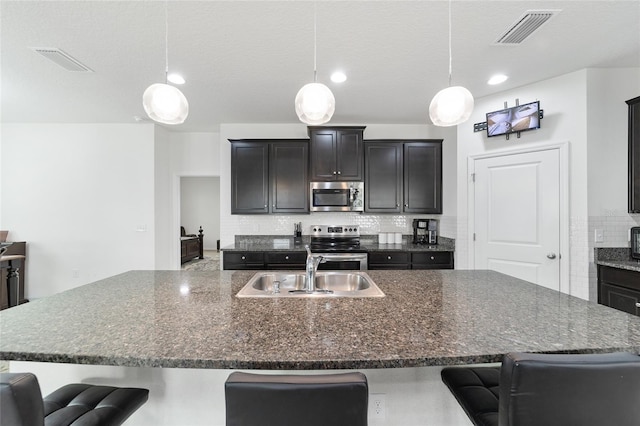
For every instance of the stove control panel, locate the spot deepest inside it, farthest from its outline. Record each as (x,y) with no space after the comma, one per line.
(335,231)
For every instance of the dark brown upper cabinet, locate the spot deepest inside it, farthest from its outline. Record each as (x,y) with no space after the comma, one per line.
(403,176)
(269,176)
(634,155)
(336,153)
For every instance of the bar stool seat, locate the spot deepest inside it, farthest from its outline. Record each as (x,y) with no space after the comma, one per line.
(293,400)
(21,403)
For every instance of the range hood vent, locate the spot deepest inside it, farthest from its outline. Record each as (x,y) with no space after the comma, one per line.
(526,25)
(62,58)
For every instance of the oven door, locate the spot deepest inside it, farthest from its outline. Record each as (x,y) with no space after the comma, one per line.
(343,261)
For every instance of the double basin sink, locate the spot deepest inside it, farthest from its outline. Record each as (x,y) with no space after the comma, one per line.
(327,284)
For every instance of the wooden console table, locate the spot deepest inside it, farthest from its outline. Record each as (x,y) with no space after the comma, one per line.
(13,266)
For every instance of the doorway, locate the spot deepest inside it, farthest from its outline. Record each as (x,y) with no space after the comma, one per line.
(519,214)
(199,203)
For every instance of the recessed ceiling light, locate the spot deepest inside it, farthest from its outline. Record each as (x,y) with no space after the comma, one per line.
(176,78)
(497,79)
(338,77)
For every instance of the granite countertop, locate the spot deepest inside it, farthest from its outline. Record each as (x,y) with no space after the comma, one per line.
(189,319)
(616,257)
(368,243)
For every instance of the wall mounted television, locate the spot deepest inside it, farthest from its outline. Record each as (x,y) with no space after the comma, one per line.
(513,120)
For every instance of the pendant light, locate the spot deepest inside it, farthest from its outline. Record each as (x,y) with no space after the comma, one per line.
(454,104)
(162,102)
(315,104)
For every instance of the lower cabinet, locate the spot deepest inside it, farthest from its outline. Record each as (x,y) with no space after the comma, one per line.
(389,260)
(619,289)
(288,261)
(243,260)
(410,260)
(432,260)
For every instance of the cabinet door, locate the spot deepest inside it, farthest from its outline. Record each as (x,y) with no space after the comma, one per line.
(289,175)
(423,177)
(336,153)
(249,178)
(323,155)
(634,155)
(383,177)
(349,155)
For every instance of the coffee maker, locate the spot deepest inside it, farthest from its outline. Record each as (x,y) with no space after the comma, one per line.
(425,231)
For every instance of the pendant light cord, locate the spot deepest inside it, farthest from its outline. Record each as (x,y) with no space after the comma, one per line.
(315,41)
(166,41)
(450,54)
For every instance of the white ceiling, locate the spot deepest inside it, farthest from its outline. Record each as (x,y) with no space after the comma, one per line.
(244,61)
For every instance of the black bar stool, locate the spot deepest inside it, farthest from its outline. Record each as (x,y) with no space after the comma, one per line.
(21,403)
(294,400)
(550,390)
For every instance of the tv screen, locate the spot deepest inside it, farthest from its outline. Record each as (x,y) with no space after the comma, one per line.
(515,119)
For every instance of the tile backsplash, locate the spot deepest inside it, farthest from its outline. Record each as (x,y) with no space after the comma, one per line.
(369,224)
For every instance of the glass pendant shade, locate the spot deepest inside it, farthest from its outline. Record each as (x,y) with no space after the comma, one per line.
(315,104)
(451,106)
(165,104)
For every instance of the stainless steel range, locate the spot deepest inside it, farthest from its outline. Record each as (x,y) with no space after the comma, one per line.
(339,245)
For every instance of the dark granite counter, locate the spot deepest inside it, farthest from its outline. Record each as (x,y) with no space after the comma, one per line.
(616,257)
(368,243)
(194,320)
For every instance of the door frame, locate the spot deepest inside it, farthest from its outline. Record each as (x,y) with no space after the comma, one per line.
(563,156)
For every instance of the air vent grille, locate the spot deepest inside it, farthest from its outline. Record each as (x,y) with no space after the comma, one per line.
(526,25)
(62,58)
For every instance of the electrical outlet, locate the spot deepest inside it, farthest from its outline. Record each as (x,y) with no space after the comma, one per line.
(598,236)
(378,404)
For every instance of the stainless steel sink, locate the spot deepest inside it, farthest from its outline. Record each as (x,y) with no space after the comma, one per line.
(328,284)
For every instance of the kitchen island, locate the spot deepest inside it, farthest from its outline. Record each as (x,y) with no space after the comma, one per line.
(186,319)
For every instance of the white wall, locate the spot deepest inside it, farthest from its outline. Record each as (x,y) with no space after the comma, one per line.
(607,112)
(571,104)
(232,225)
(82,196)
(200,206)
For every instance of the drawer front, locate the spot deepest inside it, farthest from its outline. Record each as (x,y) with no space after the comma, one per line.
(243,260)
(395,266)
(620,277)
(432,258)
(390,257)
(286,257)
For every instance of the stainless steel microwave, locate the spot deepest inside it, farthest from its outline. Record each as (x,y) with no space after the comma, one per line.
(336,196)
(635,242)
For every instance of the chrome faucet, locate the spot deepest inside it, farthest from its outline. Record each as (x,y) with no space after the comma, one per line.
(312,266)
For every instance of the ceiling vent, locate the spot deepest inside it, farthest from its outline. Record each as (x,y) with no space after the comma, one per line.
(62,58)
(526,25)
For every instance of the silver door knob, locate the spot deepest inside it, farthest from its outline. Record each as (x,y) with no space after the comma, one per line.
(637,304)
(551,256)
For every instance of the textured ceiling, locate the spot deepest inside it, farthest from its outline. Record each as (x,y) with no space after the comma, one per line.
(244,61)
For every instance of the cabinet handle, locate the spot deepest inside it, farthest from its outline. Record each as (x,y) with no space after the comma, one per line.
(286,257)
(433,258)
(406,205)
(637,304)
(265,206)
(339,172)
(388,257)
(244,258)
(334,172)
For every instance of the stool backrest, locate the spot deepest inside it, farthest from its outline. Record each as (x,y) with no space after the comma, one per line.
(562,389)
(296,400)
(20,400)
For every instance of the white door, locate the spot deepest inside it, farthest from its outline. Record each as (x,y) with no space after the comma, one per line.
(517,216)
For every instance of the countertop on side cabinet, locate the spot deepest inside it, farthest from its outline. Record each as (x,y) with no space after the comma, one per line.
(616,257)
(189,319)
